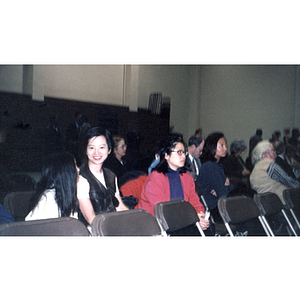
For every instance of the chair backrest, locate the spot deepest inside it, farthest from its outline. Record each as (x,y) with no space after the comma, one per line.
(17,204)
(237,209)
(136,222)
(268,204)
(20,182)
(241,210)
(175,215)
(292,198)
(65,226)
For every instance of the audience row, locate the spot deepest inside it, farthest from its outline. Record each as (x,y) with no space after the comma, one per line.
(200,172)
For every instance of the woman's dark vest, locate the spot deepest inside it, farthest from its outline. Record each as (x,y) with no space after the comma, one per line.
(102,199)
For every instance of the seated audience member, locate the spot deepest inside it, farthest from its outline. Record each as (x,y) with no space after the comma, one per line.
(5,217)
(131,185)
(97,188)
(154,163)
(195,147)
(212,180)
(115,161)
(198,132)
(294,139)
(293,158)
(281,159)
(254,140)
(56,191)
(268,176)
(234,166)
(171,181)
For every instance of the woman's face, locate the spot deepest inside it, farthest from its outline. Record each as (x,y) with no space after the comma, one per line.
(120,151)
(97,150)
(176,159)
(221,149)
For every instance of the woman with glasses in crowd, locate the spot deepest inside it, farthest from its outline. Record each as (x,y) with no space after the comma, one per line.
(170,180)
(115,161)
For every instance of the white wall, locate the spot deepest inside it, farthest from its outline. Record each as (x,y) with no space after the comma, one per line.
(93,83)
(172,81)
(238,99)
(11,78)
(234,99)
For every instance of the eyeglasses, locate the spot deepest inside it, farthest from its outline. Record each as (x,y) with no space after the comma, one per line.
(179,152)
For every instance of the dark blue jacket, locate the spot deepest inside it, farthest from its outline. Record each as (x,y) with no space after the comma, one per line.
(5,217)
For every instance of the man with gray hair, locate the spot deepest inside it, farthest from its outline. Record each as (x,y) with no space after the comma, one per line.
(267,176)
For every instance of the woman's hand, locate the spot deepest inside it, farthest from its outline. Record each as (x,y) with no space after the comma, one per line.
(204,224)
(121,205)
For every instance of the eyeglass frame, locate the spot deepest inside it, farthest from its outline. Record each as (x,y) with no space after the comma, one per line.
(179,152)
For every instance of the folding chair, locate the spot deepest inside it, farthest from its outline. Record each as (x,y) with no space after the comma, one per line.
(136,222)
(292,200)
(238,210)
(65,226)
(273,211)
(219,228)
(17,204)
(176,215)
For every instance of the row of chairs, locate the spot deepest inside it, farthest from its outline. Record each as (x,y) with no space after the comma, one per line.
(172,216)
(272,215)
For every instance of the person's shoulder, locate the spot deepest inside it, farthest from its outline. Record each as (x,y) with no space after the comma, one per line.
(154,175)
(108,171)
(82,182)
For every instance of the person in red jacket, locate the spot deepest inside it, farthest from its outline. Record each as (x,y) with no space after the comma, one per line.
(170,180)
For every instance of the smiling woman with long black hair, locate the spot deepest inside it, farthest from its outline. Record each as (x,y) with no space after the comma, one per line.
(97,186)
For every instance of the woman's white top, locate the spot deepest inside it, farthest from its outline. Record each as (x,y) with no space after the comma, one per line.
(46,208)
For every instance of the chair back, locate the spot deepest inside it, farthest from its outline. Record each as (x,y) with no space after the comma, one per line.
(268,204)
(136,222)
(244,213)
(292,198)
(17,204)
(175,215)
(238,209)
(271,208)
(65,226)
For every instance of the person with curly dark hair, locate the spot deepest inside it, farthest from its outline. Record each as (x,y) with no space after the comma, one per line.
(170,180)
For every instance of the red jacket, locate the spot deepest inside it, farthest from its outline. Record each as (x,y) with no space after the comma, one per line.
(134,187)
(157,189)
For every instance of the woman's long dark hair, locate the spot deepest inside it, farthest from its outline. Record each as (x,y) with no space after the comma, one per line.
(210,147)
(166,147)
(59,172)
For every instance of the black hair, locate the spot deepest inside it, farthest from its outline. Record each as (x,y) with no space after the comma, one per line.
(210,147)
(97,131)
(259,132)
(166,147)
(195,140)
(59,172)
